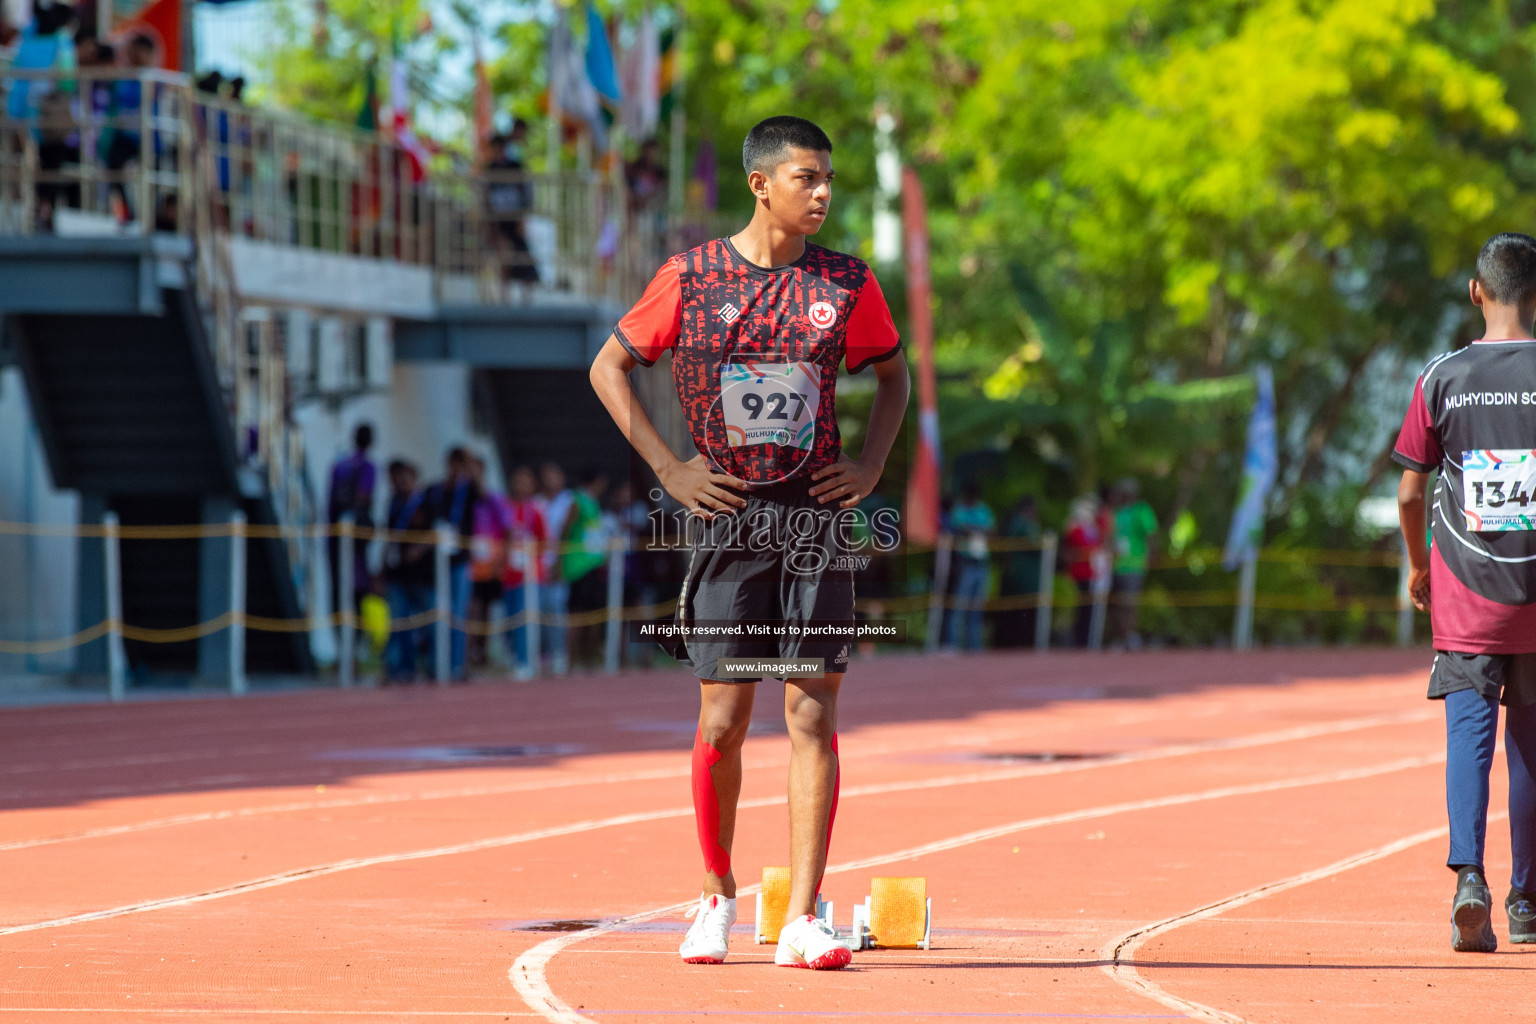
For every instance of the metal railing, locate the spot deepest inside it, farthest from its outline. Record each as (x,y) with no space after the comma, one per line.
(144,151)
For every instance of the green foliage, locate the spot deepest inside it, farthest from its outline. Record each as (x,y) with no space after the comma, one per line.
(1132,202)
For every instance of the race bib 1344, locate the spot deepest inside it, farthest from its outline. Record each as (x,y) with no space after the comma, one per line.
(1498,489)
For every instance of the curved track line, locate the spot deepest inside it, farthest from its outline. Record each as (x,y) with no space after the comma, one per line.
(528,971)
(1119,952)
(1151,754)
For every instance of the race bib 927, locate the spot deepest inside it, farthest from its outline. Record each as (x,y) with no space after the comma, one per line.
(770,403)
(1498,489)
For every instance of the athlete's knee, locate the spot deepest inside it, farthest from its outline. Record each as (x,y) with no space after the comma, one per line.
(811,722)
(725,729)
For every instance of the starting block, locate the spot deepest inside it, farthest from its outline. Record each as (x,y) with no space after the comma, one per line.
(897,913)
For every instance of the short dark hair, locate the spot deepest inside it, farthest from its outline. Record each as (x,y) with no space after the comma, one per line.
(765,144)
(362,437)
(142,41)
(1506,268)
(397,466)
(458,455)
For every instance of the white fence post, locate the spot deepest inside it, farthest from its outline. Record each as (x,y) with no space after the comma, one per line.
(1103,579)
(616,549)
(117,658)
(1047,603)
(237,682)
(936,600)
(442,630)
(1404,601)
(1242,625)
(346,621)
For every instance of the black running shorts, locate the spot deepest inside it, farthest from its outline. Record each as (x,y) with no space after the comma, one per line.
(772,580)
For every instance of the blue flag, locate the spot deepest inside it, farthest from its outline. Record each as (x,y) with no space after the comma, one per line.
(601,70)
(1261,465)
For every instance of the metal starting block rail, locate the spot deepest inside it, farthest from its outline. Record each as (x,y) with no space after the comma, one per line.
(897,913)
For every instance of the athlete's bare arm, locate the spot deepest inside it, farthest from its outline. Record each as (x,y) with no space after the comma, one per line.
(693,483)
(849,481)
(1411,513)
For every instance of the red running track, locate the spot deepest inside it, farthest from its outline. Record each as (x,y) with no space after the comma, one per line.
(1218,837)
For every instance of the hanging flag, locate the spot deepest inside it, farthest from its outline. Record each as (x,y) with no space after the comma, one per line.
(368,114)
(601,71)
(923,481)
(641,78)
(706,177)
(484,109)
(571,91)
(401,128)
(666,74)
(1261,465)
(158,19)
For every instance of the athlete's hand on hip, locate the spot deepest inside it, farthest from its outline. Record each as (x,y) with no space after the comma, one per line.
(1418,588)
(845,481)
(700,489)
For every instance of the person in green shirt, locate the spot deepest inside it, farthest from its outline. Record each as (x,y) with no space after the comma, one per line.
(1135,535)
(584,557)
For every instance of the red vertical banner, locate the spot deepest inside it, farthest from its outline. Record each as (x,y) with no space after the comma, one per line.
(161,21)
(923,481)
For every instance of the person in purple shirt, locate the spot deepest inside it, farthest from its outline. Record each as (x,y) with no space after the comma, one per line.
(351,490)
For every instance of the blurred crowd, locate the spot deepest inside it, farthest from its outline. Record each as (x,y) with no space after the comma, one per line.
(1106,548)
(543,541)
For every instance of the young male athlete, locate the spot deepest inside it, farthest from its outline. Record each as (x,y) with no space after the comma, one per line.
(1473,416)
(757,324)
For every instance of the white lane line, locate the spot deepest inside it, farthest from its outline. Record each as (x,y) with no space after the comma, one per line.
(1002,774)
(1120,952)
(494,842)
(528,972)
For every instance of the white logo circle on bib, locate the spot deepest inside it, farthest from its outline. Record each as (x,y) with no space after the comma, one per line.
(823,315)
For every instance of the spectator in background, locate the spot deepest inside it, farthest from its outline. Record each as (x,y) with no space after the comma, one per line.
(1083,550)
(525,541)
(451,502)
(972,522)
(554,503)
(583,565)
(509,199)
(632,514)
(408,572)
(1135,534)
(1015,627)
(353,478)
(487,560)
(120,143)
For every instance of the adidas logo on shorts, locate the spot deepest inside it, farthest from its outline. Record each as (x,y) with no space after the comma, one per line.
(729,313)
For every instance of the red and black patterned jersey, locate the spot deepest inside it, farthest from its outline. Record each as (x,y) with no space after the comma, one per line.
(1473,417)
(755,351)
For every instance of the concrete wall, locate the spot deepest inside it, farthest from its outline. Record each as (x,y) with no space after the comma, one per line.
(37,574)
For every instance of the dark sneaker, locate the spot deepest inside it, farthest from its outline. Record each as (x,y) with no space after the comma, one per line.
(1471,919)
(1522,917)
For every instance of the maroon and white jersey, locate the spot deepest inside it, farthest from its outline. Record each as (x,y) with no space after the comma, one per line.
(755,351)
(1473,417)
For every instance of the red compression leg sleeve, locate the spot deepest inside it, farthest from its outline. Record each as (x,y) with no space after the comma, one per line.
(706,807)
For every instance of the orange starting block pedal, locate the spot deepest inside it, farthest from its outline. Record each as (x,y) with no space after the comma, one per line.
(773,903)
(897,914)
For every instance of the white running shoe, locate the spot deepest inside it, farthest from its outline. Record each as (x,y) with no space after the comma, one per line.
(709,939)
(810,942)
